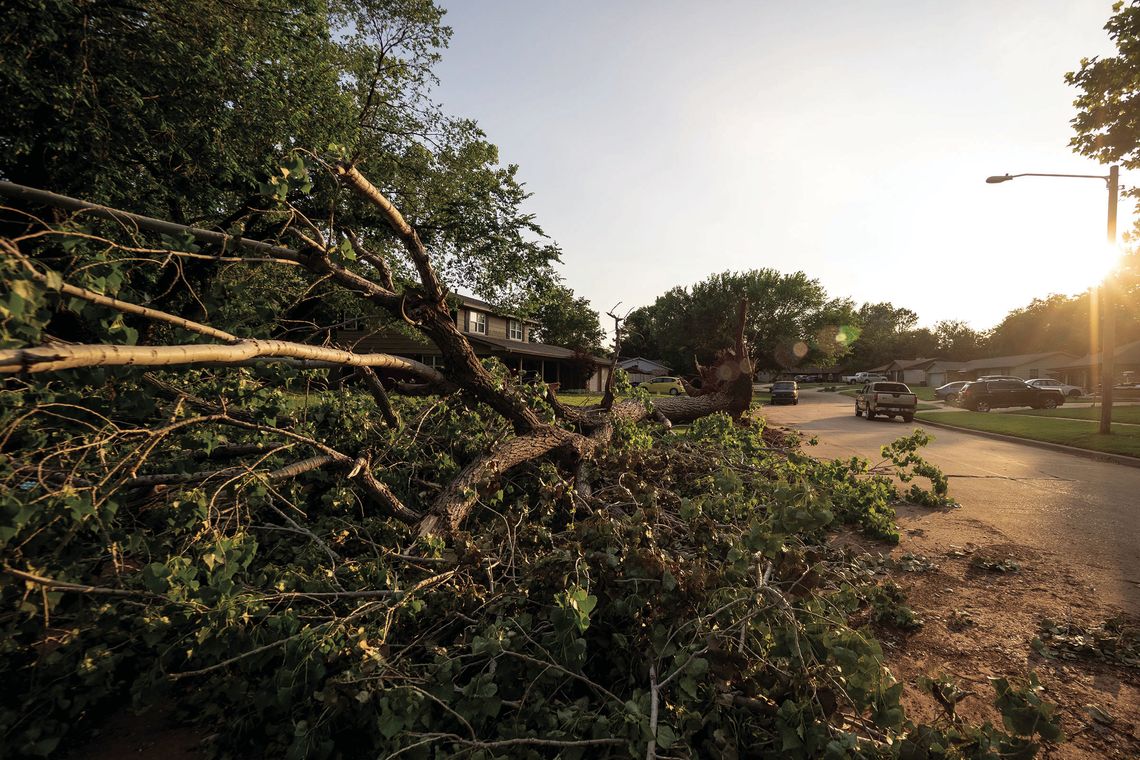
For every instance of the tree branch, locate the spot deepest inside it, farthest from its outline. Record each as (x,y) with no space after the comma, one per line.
(53,358)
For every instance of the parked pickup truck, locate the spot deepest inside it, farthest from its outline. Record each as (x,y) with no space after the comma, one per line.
(888,399)
(860,378)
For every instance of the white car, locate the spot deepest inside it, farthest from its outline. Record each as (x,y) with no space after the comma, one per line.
(1071,391)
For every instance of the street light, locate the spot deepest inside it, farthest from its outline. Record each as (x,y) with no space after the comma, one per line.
(1107,306)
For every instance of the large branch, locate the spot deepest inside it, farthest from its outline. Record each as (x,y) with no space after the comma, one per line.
(57,357)
(433,316)
(221,239)
(454,503)
(407,234)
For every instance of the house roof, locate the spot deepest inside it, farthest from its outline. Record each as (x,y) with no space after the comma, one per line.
(1129,353)
(541,350)
(1016,360)
(899,364)
(490,308)
(642,364)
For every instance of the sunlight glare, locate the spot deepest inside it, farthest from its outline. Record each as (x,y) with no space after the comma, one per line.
(1102,262)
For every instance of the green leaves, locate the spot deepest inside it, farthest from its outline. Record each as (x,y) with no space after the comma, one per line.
(291,176)
(1024,712)
(579,603)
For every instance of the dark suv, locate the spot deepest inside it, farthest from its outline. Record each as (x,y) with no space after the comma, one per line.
(985,395)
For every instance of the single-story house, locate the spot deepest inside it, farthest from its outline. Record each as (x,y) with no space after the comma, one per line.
(1025,366)
(929,372)
(641,369)
(1085,371)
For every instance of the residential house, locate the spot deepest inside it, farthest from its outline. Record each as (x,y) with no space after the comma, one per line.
(641,369)
(1025,366)
(491,332)
(1085,371)
(928,372)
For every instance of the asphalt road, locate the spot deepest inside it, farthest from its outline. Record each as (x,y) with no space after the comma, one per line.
(1083,512)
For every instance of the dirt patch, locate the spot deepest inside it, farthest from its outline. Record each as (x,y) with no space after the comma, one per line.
(983,600)
(154,735)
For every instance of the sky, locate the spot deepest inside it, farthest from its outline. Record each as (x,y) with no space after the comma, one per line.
(666,141)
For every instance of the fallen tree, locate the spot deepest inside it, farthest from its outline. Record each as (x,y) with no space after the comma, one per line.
(576,434)
(432,564)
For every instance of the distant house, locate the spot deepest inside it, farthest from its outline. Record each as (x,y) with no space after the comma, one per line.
(491,332)
(641,369)
(1025,366)
(1085,371)
(929,372)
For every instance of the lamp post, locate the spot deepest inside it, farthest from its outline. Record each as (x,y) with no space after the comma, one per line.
(1107,302)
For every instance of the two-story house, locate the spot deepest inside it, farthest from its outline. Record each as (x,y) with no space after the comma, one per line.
(491,333)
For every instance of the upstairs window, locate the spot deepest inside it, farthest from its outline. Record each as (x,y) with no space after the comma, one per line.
(515,330)
(478,322)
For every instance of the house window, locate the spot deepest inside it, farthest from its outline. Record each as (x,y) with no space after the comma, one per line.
(516,330)
(479,322)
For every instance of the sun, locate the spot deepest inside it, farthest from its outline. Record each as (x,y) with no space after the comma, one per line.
(1100,262)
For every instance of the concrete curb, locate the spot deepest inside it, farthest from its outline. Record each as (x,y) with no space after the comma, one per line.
(1073,450)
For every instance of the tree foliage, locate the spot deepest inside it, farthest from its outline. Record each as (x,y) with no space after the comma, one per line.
(883,327)
(165,111)
(1107,123)
(792,322)
(565,319)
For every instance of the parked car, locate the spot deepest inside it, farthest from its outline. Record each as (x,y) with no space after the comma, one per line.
(865,377)
(1000,377)
(949,391)
(1126,390)
(1072,391)
(785,392)
(808,378)
(984,395)
(670,385)
(888,399)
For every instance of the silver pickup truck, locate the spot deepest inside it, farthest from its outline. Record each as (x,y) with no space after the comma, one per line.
(888,399)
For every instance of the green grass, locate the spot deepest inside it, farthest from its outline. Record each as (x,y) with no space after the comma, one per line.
(1119,413)
(1069,432)
(585,399)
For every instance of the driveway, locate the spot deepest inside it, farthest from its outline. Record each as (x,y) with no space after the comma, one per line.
(1078,511)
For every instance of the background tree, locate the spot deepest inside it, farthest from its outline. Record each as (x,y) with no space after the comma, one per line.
(1056,323)
(882,327)
(1107,127)
(565,319)
(164,111)
(791,321)
(957,341)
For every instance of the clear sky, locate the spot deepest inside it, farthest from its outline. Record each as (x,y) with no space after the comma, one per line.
(664,141)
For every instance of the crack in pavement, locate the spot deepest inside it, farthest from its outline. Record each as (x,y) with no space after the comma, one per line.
(1007,477)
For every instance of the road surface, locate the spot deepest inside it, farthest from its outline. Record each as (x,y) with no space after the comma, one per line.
(1083,512)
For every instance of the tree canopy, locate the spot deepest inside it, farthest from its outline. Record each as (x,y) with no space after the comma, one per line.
(791,321)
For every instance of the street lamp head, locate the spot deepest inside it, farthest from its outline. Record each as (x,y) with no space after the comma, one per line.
(999,178)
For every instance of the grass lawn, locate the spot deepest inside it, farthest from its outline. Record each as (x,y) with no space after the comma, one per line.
(1119,413)
(1070,432)
(585,399)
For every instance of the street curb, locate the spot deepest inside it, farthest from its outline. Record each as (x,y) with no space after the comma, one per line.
(1086,453)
